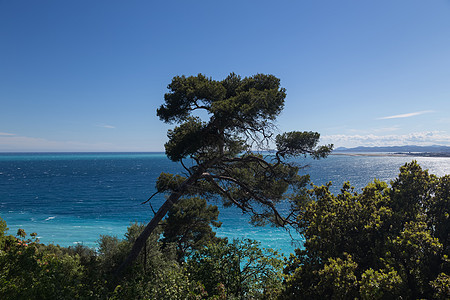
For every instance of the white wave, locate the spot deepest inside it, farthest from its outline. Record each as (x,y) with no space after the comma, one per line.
(49,218)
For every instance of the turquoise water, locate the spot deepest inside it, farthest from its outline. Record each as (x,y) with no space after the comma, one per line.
(70,198)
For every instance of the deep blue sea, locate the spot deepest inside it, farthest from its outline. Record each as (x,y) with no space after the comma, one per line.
(70,198)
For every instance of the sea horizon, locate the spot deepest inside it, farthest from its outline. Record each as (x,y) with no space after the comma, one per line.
(75,197)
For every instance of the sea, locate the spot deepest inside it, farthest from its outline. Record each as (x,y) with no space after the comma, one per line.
(74,198)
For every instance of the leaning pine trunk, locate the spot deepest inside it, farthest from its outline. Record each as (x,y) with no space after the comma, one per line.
(162,211)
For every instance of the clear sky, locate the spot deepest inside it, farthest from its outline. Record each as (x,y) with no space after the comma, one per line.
(89,75)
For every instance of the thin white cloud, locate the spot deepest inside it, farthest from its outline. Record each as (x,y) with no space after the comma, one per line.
(106,126)
(426,138)
(6,134)
(406,115)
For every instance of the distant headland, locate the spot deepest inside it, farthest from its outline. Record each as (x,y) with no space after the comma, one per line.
(409,150)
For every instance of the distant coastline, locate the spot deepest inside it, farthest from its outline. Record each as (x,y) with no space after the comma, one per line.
(367,154)
(408,150)
(399,154)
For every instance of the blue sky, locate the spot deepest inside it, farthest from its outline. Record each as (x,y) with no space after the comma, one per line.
(89,75)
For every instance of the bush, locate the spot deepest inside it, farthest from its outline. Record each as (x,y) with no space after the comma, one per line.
(386,242)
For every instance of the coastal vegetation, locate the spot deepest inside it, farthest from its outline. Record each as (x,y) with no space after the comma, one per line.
(385,242)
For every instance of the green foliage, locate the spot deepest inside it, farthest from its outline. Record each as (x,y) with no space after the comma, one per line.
(337,278)
(188,226)
(242,268)
(155,275)
(381,243)
(184,140)
(236,105)
(300,143)
(381,284)
(3,230)
(29,270)
(439,215)
(441,286)
(234,102)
